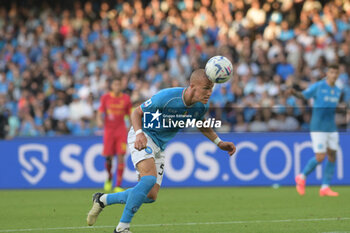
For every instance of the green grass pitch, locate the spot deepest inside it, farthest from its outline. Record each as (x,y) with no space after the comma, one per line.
(185,210)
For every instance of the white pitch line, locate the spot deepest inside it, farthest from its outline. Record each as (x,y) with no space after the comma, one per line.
(54,228)
(336,232)
(181,224)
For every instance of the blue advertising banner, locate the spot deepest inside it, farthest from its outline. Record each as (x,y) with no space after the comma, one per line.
(191,160)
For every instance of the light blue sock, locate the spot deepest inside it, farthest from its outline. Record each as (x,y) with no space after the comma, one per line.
(328,173)
(118,198)
(310,166)
(121,197)
(136,197)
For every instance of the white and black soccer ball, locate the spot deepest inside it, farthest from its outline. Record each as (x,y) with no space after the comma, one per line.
(219,69)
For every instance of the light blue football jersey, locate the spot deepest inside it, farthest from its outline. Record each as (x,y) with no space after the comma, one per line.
(168,104)
(326,99)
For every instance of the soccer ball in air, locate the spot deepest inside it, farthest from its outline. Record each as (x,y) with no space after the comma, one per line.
(219,69)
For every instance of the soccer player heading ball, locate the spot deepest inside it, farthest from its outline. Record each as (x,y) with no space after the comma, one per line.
(324,135)
(147,145)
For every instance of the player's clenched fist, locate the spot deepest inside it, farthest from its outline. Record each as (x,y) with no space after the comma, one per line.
(227,146)
(141,142)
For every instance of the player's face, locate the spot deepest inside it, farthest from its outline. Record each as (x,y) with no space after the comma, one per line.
(204,90)
(116,86)
(332,75)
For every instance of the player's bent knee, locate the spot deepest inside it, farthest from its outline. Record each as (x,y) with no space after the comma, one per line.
(147,167)
(320,160)
(320,157)
(120,159)
(331,155)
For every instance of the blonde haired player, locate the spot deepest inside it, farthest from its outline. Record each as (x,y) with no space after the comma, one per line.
(147,145)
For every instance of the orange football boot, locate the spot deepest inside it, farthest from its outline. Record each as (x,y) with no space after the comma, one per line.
(300,185)
(328,192)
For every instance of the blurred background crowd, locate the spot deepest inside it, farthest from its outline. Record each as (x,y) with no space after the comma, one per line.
(56,58)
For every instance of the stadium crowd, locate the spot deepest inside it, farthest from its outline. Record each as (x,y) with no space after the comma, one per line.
(56,58)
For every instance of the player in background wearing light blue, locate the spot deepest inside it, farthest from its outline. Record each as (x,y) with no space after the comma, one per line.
(147,145)
(324,135)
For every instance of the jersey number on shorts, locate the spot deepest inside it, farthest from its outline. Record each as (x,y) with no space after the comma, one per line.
(161,167)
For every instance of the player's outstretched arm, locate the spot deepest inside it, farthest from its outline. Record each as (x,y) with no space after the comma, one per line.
(298,94)
(136,122)
(212,136)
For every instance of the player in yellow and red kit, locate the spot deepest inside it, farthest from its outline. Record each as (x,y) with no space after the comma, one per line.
(114,105)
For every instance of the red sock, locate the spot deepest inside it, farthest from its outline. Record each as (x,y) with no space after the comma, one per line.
(120,171)
(108,166)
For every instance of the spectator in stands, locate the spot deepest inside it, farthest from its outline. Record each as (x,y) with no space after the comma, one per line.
(284,69)
(60,111)
(3,118)
(55,53)
(241,125)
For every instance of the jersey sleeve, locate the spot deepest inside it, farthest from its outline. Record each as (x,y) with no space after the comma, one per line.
(154,103)
(102,107)
(310,91)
